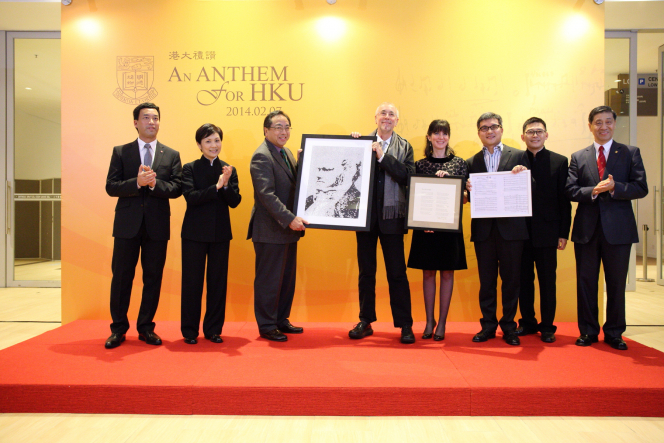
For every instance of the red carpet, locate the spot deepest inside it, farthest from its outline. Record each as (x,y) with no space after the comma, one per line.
(323,372)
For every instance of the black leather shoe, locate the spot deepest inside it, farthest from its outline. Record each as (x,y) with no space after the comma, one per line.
(407,336)
(548,337)
(287,328)
(190,341)
(150,338)
(512,339)
(437,337)
(274,335)
(586,340)
(114,340)
(361,330)
(214,338)
(521,331)
(484,336)
(616,343)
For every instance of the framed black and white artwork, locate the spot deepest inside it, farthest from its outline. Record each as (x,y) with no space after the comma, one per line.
(335,182)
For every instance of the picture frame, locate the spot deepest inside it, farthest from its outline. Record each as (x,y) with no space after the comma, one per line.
(435,203)
(335,182)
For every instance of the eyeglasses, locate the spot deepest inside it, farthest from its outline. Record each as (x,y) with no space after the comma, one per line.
(535,132)
(280,128)
(492,127)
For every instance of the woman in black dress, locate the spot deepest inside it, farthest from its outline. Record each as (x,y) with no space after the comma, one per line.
(210,187)
(438,251)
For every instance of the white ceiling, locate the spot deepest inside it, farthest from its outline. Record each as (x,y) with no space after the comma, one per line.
(37,66)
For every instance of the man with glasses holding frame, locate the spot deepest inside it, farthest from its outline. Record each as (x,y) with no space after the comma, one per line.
(498,241)
(274,229)
(548,229)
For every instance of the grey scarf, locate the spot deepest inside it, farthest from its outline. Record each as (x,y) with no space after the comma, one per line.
(394,198)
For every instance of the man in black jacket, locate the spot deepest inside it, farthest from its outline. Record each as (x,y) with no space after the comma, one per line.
(144,174)
(604,178)
(548,229)
(394,163)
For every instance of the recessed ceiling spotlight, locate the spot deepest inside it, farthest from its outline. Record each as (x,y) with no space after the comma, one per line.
(331,2)
(66,2)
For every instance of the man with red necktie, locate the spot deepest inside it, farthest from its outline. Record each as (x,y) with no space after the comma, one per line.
(604,178)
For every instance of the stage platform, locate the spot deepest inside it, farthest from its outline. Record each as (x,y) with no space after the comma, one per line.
(323,372)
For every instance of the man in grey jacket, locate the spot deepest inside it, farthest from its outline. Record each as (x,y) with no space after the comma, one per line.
(274,229)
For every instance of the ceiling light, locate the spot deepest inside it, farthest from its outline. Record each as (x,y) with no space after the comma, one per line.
(331,28)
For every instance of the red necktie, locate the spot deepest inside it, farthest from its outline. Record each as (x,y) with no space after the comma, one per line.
(601,162)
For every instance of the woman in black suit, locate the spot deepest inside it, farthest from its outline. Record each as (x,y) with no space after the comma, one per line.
(210,187)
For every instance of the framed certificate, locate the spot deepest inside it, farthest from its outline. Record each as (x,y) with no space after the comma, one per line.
(435,203)
(335,182)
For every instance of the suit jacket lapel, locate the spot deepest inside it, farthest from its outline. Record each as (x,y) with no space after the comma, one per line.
(591,163)
(135,158)
(158,154)
(280,161)
(616,150)
(291,159)
(504,157)
(479,159)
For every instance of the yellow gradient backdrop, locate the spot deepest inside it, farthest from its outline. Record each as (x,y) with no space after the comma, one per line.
(432,58)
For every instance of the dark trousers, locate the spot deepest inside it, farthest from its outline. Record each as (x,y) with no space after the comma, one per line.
(397,280)
(615,259)
(123,265)
(546,261)
(194,255)
(493,255)
(274,284)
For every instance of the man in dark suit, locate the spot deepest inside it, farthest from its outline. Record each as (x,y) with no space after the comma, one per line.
(604,178)
(498,241)
(548,230)
(144,174)
(274,229)
(394,162)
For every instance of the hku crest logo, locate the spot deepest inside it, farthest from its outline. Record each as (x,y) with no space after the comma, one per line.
(135,76)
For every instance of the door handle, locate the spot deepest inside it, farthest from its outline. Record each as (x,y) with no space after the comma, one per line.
(654,208)
(8,205)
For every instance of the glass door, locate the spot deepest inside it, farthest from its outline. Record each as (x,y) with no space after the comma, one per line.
(33,175)
(659,216)
(620,66)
